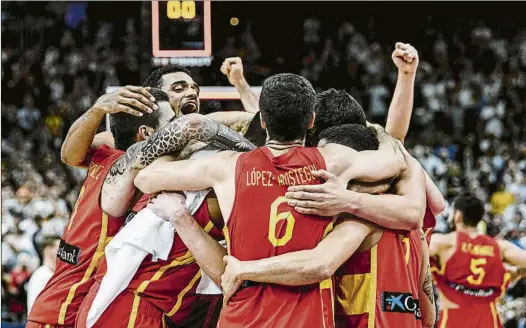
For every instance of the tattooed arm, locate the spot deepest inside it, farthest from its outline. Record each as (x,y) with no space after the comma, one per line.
(426,295)
(118,188)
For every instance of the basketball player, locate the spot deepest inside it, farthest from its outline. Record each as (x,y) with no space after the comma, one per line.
(472,275)
(382,275)
(287,111)
(158,287)
(82,245)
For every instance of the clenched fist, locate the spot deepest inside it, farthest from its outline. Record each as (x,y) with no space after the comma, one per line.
(130,99)
(233,69)
(405,57)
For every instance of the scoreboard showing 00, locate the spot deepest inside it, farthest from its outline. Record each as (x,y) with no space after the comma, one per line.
(180,9)
(181,29)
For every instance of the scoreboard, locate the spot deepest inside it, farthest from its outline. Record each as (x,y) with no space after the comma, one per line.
(181,29)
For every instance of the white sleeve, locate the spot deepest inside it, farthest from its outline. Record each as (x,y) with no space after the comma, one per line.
(36,284)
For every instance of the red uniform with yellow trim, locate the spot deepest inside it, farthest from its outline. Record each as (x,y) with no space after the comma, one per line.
(474,277)
(429,224)
(81,248)
(379,287)
(262,225)
(158,288)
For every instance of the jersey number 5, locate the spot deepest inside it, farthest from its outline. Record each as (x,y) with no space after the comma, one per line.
(275,217)
(477,270)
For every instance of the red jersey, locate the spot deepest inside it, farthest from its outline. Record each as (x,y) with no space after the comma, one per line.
(169,285)
(81,248)
(380,287)
(262,225)
(429,224)
(474,277)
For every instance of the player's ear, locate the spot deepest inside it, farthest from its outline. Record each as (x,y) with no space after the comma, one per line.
(145,132)
(311,124)
(263,124)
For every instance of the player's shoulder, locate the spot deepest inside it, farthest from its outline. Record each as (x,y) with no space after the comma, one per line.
(444,239)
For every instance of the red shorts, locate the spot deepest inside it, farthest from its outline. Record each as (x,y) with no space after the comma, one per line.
(32,324)
(474,317)
(205,313)
(139,312)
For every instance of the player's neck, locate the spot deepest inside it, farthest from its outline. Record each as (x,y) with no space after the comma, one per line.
(467,230)
(280,147)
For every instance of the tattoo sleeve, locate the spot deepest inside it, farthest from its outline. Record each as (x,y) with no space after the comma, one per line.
(171,139)
(427,286)
(175,136)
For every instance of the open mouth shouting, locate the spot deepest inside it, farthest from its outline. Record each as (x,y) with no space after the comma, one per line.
(189,106)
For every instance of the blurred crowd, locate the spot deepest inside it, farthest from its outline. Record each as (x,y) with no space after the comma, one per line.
(468,127)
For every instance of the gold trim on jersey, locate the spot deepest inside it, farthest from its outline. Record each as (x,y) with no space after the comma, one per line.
(182,260)
(443,323)
(494,315)
(183,293)
(356,293)
(372,295)
(227,239)
(99,253)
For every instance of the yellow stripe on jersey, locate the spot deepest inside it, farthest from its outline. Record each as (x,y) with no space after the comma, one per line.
(443,324)
(134,311)
(183,293)
(494,315)
(329,228)
(227,239)
(99,253)
(372,295)
(356,289)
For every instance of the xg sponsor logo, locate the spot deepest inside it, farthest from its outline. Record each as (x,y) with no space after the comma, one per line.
(401,303)
(68,253)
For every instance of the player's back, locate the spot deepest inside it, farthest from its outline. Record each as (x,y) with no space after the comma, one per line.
(82,247)
(379,287)
(472,279)
(262,225)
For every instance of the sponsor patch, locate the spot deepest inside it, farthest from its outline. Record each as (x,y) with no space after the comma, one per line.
(68,253)
(479,293)
(401,303)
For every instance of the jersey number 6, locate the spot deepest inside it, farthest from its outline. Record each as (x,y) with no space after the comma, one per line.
(477,270)
(275,217)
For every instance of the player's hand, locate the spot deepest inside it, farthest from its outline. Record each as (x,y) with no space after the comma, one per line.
(130,99)
(327,199)
(230,281)
(168,206)
(233,69)
(405,57)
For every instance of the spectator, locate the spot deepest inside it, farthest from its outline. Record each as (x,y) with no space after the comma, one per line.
(40,277)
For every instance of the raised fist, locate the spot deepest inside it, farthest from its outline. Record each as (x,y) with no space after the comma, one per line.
(405,57)
(233,69)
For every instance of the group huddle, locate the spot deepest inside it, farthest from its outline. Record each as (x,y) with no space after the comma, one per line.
(295,213)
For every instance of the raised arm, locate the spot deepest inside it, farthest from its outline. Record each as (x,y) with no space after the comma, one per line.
(233,69)
(426,296)
(405,57)
(512,254)
(237,121)
(79,142)
(118,188)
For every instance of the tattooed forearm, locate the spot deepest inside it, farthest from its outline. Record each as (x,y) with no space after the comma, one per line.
(422,234)
(174,137)
(427,286)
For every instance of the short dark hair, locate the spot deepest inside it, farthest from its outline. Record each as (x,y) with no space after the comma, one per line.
(155,79)
(335,107)
(286,105)
(124,126)
(49,241)
(255,133)
(471,207)
(354,136)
